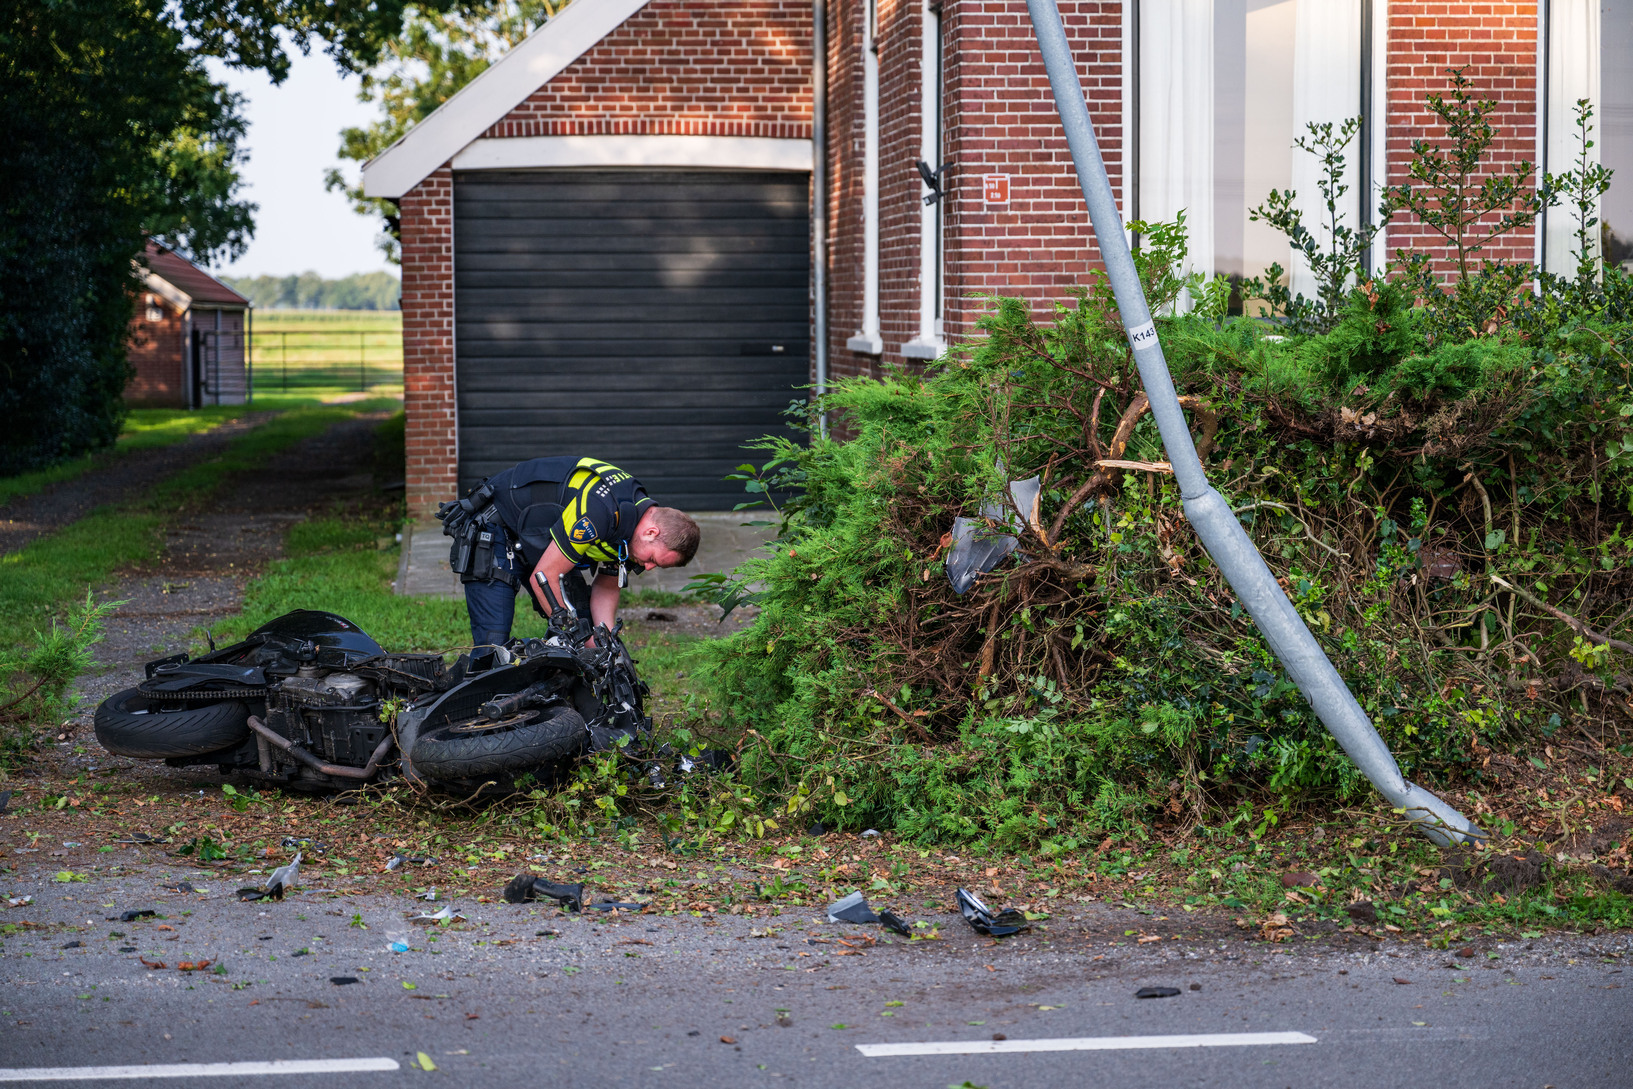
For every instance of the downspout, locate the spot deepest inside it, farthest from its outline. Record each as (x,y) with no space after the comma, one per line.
(819,199)
(1207,511)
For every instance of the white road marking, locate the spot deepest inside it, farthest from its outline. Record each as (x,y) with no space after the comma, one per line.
(198,1070)
(1084,1043)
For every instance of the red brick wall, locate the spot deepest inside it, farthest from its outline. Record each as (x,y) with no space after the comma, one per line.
(684,67)
(998,118)
(156,353)
(427,213)
(1497,42)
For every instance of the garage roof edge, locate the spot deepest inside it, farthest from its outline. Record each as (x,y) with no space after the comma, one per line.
(486,99)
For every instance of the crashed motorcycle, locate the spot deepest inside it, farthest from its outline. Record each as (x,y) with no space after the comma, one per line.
(310,701)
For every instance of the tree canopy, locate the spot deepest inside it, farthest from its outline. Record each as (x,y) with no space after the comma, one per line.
(114,133)
(436,53)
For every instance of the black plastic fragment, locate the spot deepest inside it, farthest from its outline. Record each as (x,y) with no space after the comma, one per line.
(983,921)
(617,905)
(132,916)
(815,828)
(341,981)
(894,922)
(1157,992)
(73,945)
(852,909)
(5,800)
(525,888)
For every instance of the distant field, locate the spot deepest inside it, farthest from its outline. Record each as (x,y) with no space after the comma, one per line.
(313,351)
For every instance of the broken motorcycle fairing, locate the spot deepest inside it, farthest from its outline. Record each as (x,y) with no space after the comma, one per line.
(304,701)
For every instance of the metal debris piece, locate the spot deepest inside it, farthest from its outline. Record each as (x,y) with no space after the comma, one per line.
(983,921)
(895,923)
(525,888)
(852,909)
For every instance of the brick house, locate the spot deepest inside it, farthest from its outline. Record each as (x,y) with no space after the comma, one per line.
(638,233)
(187,336)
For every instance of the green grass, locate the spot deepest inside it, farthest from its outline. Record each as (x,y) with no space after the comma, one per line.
(309,320)
(39,582)
(145,429)
(326,350)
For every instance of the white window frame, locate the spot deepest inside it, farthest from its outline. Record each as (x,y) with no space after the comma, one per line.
(867,340)
(929,343)
(1570,33)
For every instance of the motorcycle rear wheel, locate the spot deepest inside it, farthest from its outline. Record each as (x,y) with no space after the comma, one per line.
(474,749)
(131,724)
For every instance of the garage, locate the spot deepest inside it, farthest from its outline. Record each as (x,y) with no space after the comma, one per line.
(658,319)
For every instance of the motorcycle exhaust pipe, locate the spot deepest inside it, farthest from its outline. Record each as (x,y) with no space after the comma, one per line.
(365,772)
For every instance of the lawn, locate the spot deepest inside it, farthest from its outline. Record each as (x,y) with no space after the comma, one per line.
(40,581)
(318,351)
(145,429)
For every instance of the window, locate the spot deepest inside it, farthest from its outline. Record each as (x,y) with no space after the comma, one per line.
(928,344)
(1225,87)
(1615,118)
(867,339)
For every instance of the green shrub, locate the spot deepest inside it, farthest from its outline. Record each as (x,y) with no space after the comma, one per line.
(1103,678)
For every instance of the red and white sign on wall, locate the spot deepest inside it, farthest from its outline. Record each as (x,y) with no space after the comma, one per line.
(995,188)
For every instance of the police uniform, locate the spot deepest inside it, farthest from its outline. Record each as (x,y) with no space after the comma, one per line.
(587,508)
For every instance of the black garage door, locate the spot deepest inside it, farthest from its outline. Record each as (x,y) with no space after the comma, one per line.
(656,320)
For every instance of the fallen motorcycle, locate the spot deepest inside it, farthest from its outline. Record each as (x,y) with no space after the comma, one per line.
(310,701)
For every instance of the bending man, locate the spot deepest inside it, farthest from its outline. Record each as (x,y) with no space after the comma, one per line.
(556,516)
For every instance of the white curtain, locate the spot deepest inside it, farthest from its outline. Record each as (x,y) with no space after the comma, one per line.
(1573,73)
(1176,119)
(1326,88)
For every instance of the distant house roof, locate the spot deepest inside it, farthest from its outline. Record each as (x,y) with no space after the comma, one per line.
(184,283)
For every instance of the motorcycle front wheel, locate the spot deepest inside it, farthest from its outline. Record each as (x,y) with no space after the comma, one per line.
(131,724)
(477,748)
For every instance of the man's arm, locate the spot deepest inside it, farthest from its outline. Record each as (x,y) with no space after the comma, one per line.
(604,600)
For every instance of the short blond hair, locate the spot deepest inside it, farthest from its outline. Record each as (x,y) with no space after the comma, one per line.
(677,532)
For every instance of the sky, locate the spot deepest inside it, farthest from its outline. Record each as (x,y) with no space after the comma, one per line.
(294,131)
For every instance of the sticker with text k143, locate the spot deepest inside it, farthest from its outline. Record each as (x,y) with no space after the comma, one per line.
(1143,336)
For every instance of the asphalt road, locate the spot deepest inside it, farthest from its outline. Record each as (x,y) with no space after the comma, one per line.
(520,995)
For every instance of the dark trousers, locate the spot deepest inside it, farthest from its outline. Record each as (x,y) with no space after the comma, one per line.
(491,603)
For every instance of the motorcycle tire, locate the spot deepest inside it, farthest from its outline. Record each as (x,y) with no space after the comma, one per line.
(131,724)
(474,749)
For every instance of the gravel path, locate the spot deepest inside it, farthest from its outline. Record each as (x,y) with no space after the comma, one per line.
(122,478)
(211,554)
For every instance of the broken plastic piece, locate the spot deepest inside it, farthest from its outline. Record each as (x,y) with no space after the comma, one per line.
(341,981)
(284,877)
(1156,992)
(525,888)
(446,915)
(618,905)
(429,894)
(5,800)
(983,921)
(132,916)
(852,909)
(870,832)
(977,548)
(894,922)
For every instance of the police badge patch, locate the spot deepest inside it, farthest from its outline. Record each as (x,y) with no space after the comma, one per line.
(583,531)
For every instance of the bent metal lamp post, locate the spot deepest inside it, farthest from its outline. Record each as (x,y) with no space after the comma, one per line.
(1222,535)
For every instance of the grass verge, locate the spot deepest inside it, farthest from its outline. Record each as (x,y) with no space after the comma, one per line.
(41,580)
(145,429)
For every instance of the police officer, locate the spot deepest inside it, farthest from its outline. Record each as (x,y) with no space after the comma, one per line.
(552,517)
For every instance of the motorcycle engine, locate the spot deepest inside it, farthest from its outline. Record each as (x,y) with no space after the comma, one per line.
(336,714)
